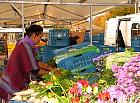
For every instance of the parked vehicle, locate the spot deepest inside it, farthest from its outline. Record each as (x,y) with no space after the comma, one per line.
(128,27)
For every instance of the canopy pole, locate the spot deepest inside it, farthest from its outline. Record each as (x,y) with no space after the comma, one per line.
(63,3)
(136,6)
(90,25)
(22,20)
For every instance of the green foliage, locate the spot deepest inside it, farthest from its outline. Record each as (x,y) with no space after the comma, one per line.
(54,86)
(107,75)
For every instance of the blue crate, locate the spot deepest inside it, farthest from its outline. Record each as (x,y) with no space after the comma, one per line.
(63,50)
(121,49)
(86,37)
(47,52)
(12,101)
(95,38)
(101,36)
(49,49)
(81,62)
(98,42)
(58,37)
(106,49)
(58,41)
(137,49)
(135,42)
(98,37)
(59,33)
(87,69)
(45,57)
(81,45)
(67,49)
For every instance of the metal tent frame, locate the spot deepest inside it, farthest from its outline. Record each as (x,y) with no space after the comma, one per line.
(60,2)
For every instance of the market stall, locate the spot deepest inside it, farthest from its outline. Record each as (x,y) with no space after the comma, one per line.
(87,73)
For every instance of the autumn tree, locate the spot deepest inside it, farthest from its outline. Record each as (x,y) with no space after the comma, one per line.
(122,11)
(117,11)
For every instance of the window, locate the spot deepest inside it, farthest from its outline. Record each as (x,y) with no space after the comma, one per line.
(135,29)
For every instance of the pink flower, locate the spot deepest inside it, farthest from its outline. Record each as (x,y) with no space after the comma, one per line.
(131,68)
(94,85)
(138,73)
(72,90)
(130,74)
(79,92)
(130,90)
(115,68)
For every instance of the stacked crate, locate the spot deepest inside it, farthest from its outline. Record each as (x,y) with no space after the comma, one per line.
(87,37)
(78,60)
(105,49)
(58,37)
(46,53)
(135,43)
(96,39)
(68,48)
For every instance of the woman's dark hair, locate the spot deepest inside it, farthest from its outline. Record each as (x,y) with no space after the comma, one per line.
(37,29)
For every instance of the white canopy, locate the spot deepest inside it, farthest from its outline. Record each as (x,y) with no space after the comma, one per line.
(52,13)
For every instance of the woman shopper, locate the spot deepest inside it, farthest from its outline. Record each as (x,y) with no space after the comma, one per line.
(22,64)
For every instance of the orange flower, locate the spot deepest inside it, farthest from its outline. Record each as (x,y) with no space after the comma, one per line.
(49,83)
(75,100)
(104,96)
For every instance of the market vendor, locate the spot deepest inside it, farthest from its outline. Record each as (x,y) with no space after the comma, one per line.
(22,64)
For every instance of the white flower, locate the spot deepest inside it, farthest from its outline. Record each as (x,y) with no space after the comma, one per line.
(32,99)
(88,89)
(42,83)
(44,99)
(17,98)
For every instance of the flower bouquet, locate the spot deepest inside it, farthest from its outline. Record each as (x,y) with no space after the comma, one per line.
(127,86)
